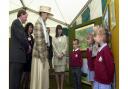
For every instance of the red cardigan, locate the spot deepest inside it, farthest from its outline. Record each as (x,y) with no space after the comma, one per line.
(104,66)
(76,59)
(90,59)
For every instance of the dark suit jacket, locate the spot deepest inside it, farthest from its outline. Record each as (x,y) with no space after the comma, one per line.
(50,49)
(18,43)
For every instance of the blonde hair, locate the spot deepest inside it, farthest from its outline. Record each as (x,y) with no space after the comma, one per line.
(90,36)
(99,30)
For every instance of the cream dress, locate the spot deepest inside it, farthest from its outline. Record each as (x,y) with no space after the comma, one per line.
(59,46)
(40,66)
(40,75)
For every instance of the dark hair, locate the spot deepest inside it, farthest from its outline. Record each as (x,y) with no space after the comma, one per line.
(27,27)
(57,28)
(40,13)
(21,12)
(48,27)
(76,40)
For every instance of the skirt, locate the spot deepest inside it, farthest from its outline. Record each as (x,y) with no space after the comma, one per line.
(59,68)
(39,75)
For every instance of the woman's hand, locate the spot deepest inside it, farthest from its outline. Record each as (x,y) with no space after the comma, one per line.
(60,56)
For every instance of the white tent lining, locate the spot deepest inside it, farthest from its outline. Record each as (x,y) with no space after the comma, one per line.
(62,22)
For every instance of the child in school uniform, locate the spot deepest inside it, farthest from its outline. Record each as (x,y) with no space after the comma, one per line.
(76,64)
(104,63)
(91,53)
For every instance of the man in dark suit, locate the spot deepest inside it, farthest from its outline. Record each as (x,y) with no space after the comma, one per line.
(18,49)
(50,49)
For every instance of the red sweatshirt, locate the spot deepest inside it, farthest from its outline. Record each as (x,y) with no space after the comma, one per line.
(104,65)
(90,59)
(76,59)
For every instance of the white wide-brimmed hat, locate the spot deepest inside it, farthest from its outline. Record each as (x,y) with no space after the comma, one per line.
(46,9)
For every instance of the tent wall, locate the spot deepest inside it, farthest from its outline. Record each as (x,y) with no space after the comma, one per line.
(32,17)
(92,11)
(95,9)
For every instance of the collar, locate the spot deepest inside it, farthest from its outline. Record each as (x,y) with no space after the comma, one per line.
(20,20)
(105,44)
(76,49)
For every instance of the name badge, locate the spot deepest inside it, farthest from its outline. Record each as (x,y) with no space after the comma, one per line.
(29,39)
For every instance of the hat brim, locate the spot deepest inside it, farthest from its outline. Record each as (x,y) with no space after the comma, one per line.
(47,12)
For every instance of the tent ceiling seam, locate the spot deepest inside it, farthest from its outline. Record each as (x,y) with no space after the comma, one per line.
(81,11)
(22,3)
(53,19)
(15,10)
(60,11)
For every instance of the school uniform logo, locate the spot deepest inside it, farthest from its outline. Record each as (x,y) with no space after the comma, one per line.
(100,59)
(76,55)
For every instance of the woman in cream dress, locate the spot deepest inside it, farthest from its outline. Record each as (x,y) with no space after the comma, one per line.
(40,66)
(59,55)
